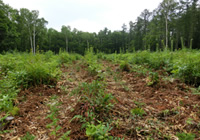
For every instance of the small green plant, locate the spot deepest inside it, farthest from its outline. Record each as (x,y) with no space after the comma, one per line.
(196,91)
(189,121)
(94,98)
(93,66)
(153,78)
(53,116)
(65,136)
(166,112)
(139,104)
(15,111)
(124,66)
(138,112)
(8,92)
(98,132)
(185,136)
(28,136)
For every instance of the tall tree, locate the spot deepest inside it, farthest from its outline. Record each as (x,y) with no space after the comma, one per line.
(167,9)
(66,30)
(33,25)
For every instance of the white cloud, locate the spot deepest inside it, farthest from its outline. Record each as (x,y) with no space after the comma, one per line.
(87,15)
(85,25)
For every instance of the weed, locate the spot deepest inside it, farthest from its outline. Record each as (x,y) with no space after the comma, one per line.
(185,136)
(94,98)
(189,121)
(65,136)
(98,132)
(28,136)
(53,116)
(124,66)
(138,112)
(93,66)
(153,78)
(8,93)
(14,111)
(139,104)
(196,91)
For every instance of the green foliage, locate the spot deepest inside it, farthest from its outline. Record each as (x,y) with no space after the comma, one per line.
(139,104)
(65,136)
(138,112)
(124,66)
(14,111)
(94,98)
(93,66)
(8,93)
(96,105)
(53,116)
(185,136)
(153,78)
(28,136)
(98,132)
(64,57)
(183,64)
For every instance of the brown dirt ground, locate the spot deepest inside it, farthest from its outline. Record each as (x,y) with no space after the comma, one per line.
(168,106)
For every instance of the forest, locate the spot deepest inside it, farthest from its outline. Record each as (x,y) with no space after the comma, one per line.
(171,25)
(140,83)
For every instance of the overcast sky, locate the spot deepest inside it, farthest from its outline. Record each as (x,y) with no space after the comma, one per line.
(87,15)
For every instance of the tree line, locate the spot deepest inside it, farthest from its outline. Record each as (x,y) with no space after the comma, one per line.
(171,25)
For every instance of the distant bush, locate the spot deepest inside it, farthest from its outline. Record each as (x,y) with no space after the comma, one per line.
(183,64)
(124,66)
(65,57)
(23,70)
(91,59)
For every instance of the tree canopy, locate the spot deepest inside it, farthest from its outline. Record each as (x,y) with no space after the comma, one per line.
(170,25)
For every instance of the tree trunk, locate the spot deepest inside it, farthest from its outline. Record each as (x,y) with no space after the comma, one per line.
(166,21)
(88,45)
(34,40)
(31,43)
(31,40)
(67,44)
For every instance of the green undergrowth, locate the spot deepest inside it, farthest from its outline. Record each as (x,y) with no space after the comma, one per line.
(93,62)
(96,102)
(95,110)
(23,70)
(183,64)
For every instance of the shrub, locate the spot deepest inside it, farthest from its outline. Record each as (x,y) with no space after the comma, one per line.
(96,102)
(93,66)
(124,66)
(8,93)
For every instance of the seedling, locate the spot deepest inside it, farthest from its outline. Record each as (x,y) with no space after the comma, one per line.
(65,136)
(138,112)
(28,136)
(189,121)
(139,104)
(124,66)
(98,132)
(152,79)
(185,136)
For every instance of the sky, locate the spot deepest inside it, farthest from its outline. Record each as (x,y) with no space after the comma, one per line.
(87,15)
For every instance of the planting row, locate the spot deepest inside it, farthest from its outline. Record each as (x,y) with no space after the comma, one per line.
(183,64)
